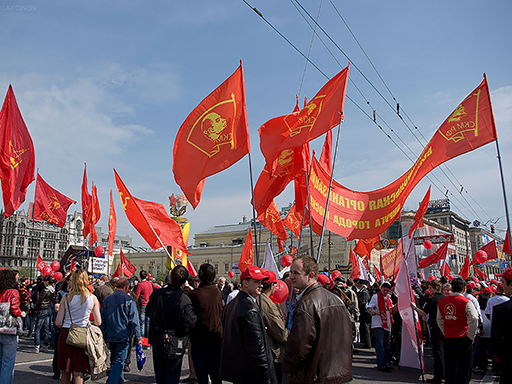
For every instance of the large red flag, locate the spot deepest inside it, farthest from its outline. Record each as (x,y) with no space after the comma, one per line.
(247,256)
(118,271)
(445,269)
(40,264)
(127,268)
(293,221)
(17,159)
(49,204)
(438,255)
(291,164)
(506,244)
(464,272)
(323,112)
(490,253)
(93,216)
(86,204)
(213,137)
(356,267)
(418,218)
(112,224)
(480,274)
(271,219)
(326,156)
(362,215)
(150,220)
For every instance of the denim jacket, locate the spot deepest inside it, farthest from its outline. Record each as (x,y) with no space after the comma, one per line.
(119,318)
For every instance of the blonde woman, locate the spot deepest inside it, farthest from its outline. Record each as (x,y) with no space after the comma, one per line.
(80,302)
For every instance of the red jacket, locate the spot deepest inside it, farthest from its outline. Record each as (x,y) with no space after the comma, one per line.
(453,311)
(12,296)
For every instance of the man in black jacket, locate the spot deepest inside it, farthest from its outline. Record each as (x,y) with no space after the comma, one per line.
(363,298)
(170,310)
(246,357)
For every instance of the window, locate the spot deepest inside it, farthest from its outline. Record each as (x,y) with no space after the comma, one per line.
(20,241)
(226,267)
(19,251)
(216,267)
(62,246)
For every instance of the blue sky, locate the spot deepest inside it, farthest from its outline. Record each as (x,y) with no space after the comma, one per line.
(109,83)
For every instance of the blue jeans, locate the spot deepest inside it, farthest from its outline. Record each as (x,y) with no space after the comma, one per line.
(144,322)
(382,347)
(42,325)
(8,346)
(118,353)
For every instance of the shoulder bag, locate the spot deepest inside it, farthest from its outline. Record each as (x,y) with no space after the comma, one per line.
(9,324)
(174,346)
(77,335)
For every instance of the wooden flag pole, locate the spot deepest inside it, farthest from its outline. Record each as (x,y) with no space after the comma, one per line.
(329,193)
(253,212)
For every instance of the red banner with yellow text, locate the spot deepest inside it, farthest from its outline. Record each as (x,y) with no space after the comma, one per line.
(362,215)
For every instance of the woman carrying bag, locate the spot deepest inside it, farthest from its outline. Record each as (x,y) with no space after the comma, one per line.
(75,308)
(9,298)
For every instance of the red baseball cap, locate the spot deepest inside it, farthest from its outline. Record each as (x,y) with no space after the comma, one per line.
(271,275)
(487,290)
(253,272)
(507,274)
(324,280)
(470,286)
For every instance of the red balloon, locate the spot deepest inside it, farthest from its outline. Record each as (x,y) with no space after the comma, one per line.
(47,271)
(281,292)
(481,256)
(55,265)
(57,276)
(286,260)
(98,251)
(427,244)
(231,274)
(335,274)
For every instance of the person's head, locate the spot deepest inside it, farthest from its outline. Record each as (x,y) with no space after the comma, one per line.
(447,289)
(443,279)
(303,272)
(435,286)
(236,286)
(7,280)
(104,278)
(350,283)
(123,284)
(47,280)
(179,275)
(143,275)
(207,274)
(222,281)
(385,288)
(252,280)
(506,282)
(80,284)
(458,285)
(473,289)
(270,284)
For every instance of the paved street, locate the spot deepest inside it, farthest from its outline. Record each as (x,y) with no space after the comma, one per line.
(36,368)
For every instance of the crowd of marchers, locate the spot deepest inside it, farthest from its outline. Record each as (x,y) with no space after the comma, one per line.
(237,332)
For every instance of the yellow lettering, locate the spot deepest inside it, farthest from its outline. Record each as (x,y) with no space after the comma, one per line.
(360,206)
(371,205)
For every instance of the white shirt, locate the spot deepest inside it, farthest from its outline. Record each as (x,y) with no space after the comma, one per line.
(232,295)
(475,303)
(376,319)
(80,313)
(494,301)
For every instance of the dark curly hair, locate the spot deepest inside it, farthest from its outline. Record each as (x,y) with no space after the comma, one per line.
(7,280)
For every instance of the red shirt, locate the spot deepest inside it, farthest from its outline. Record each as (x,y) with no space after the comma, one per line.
(453,310)
(144,290)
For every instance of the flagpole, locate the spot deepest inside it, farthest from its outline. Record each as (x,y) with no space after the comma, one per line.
(253,211)
(416,323)
(328,193)
(301,228)
(507,215)
(309,210)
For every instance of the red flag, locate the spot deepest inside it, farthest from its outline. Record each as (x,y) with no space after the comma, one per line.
(490,253)
(322,113)
(293,221)
(271,219)
(150,220)
(326,156)
(49,204)
(118,271)
(112,224)
(356,269)
(72,267)
(40,264)
(506,244)
(445,269)
(86,203)
(364,246)
(464,272)
(93,215)
(17,159)
(280,245)
(392,260)
(127,268)
(438,255)
(291,164)
(191,269)
(378,275)
(213,137)
(418,218)
(247,257)
(480,274)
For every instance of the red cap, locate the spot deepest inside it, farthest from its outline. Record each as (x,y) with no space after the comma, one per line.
(487,290)
(507,274)
(470,286)
(494,281)
(324,280)
(253,272)
(271,275)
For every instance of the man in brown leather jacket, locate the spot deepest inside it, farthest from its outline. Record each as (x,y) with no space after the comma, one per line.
(319,347)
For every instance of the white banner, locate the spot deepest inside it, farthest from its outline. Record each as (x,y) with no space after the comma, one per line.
(99,265)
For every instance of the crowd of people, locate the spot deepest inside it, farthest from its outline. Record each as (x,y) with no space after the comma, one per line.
(239,332)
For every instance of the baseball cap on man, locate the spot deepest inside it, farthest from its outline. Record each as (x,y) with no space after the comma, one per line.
(470,286)
(507,274)
(254,272)
(324,280)
(271,275)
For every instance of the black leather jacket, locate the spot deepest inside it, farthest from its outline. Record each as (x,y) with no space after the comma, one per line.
(246,356)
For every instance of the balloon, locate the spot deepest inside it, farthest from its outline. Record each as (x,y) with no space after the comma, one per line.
(98,251)
(286,260)
(55,265)
(427,244)
(481,256)
(231,274)
(335,274)
(57,276)
(281,292)
(47,270)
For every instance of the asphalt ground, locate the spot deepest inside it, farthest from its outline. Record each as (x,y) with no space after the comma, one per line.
(34,368)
